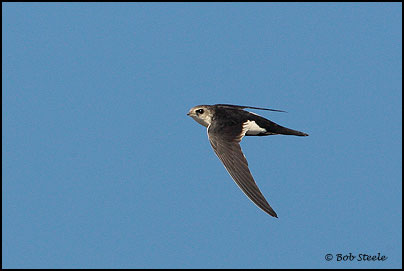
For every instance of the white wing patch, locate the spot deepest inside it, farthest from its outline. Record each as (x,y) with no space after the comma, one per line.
(252,128)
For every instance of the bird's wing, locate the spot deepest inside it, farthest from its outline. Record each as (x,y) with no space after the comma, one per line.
(243,106)
(227,148)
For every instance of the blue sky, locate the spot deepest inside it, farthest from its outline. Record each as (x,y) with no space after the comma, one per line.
(103,169)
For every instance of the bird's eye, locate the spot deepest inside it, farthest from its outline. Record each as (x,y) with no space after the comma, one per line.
(199,111)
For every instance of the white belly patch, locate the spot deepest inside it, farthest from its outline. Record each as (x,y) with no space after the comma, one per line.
(252,128)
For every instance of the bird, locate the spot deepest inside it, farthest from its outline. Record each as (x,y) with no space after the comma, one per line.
(226,126)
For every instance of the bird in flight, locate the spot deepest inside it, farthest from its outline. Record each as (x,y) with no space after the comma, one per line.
(227,125)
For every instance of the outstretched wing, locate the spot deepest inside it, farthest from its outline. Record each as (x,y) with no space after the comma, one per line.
(242,107)
(227,148)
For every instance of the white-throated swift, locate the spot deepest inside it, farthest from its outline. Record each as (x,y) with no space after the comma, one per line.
(227,125)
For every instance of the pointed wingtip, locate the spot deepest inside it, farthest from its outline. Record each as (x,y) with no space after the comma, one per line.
(271,213)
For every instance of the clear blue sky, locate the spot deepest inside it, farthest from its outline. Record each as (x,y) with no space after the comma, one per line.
(102,168)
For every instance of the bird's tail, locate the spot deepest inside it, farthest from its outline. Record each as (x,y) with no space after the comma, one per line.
(280,130)
(276,129)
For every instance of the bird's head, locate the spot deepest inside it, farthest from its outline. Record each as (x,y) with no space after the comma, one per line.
(202,114)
